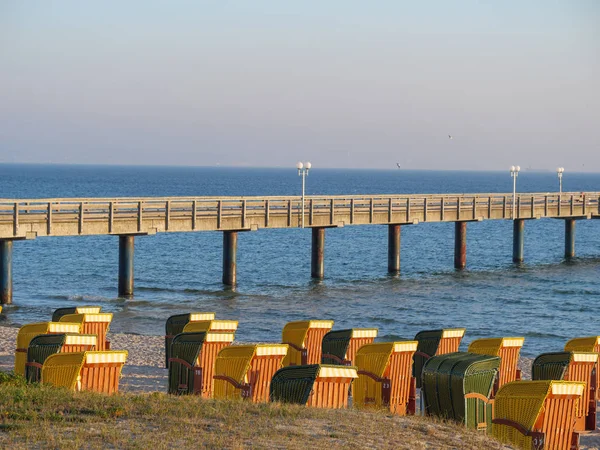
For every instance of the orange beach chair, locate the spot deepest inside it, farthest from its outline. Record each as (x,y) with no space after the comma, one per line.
(92,323)
(175,325)
(305,340)
(508,349)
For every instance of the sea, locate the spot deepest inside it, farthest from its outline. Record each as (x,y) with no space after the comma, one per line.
(546,299)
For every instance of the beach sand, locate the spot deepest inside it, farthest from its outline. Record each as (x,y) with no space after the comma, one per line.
(145,371)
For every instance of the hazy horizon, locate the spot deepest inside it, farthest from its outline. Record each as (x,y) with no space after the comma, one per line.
(265,84)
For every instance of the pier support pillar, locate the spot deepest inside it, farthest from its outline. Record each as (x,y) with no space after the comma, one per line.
(393,248)
(126,246)
(6,247)
(460,245)
(229,257)
(518,239)
(317,260)
(569,238)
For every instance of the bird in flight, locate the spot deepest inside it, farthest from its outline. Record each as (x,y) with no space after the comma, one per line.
(449,136)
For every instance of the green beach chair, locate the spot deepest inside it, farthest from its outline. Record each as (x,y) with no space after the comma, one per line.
(340,346)
(432,343)
(175,325)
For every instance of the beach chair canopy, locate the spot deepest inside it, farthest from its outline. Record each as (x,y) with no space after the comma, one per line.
(587,344)
(215,326)
(537,414)
(508,349)
(435,342)
(58,313)
(450,379)
(175,325)
(305,339)
(340,346)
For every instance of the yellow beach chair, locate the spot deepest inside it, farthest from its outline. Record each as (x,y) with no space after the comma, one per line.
(175,325)
(58,313)
(305,339)
(572,366)
(85,371)
(587,344)
(44,345)
(340,346)
(385,377)
(245,371)
(214,326)
(316,385)
(29,331)
(435,343)
(508,349)
(92,323)
(534,415)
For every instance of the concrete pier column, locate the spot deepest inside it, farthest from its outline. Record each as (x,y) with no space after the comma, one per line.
(126,246)
(393,248)
(518,239)
(6,272)
(317,260)
(460,245)
(569,238)
(229,257)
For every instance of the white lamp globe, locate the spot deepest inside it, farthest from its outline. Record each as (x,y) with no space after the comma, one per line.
(512,168)
(299,165)
(518,168)
(308,165)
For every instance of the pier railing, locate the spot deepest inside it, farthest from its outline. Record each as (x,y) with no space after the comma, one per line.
(30,218)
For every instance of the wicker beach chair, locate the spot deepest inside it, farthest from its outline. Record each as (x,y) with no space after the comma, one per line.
(572,366)
(92,323)
(433,343)
(508,349)
(305,339)
(587,344)
(29,331)
(175,325)
(192,362)
(536,415)
(215,326)
(85,371)
(458,386)
(316,385)
(385,377)
(245,371)
(58,313)
(340,346)
(45,345)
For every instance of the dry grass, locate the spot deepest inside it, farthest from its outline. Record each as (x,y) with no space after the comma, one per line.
(44,417)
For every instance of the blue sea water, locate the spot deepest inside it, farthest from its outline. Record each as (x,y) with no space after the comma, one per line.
(546,299)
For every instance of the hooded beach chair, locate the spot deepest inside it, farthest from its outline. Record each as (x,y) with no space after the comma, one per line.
(316,385)
(508,349)
(458,386)
(385,377)
(45,345)
(29,331)
(85,371)
(432,343)
(58,313)
(192,362)
(305,339)
(340,346)
(175,325)
(587,344)
(572,366)
(215,326)
(92,323)
(245,371)
(536,415)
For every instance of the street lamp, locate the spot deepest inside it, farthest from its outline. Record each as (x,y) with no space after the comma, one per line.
(559,172)
(514,173)
(303,172)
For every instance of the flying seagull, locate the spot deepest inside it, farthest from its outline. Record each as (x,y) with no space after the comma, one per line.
(449,136)
(398,164)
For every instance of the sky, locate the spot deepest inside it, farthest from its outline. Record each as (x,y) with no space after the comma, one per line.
(346,84)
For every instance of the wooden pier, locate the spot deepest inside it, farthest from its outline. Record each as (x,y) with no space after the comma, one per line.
(129,217)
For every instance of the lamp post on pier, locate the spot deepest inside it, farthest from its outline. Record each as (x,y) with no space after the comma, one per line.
(303,172)
(559,172)
(518,224)
(514,173)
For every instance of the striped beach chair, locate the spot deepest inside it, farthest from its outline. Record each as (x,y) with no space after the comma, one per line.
(316,385)
(192,362)
(587,344)
(58,313)
(385,377)
(245,371)
(508,349)
(28,332)
(340,346)
(92,323)
(572,366)
(536,415)
(175,325)
(214,326)
(85,371)
(433,343)
(305,340)
(44,345)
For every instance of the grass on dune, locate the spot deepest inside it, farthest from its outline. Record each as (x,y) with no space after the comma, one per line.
(41,416)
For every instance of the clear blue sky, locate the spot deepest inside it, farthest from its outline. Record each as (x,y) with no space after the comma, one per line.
(266,83)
